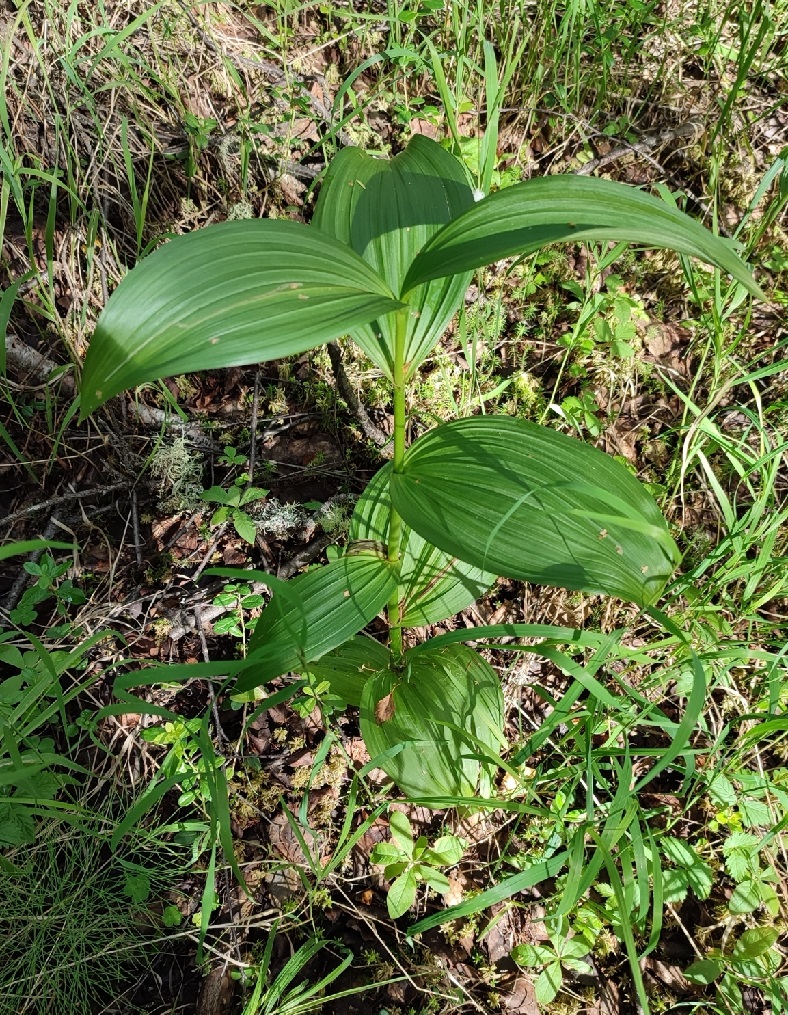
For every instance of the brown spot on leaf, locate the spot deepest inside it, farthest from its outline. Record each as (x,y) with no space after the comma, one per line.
(385,709)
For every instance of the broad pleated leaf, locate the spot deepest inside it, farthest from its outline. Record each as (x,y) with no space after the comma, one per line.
(348,667)
(526,502)
(439,695)
(323,608)
(553,209)
(229,295)
(434,585)
(386,210)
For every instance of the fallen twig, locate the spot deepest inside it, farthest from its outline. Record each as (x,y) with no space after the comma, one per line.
(691,129)
(44,505)
(34,366)
(345,389)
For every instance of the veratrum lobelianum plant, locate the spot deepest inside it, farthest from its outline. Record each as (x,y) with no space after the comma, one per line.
(387,260)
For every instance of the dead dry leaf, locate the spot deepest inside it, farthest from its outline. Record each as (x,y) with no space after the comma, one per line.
(385,709)
(518,996)
(216,992)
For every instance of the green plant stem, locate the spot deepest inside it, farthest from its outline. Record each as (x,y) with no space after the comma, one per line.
(395,522)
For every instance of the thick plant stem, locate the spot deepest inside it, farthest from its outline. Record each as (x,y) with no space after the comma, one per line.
(395,522)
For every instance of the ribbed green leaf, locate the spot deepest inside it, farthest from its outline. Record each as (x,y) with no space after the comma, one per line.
(436,696)
(386,210)
(553,209)
(348,667)
(322,610)
(228,295)
(526,502)
(433,584)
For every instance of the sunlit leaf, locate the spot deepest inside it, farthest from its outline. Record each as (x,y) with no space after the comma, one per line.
(553,209)
(386,210)
(228,295)
(433,584)
(401,832)
(526,502)
(446,851)
(401,895)
(385,853)
(532,955)
(437,880)
(348,667)
(745,897)
(322,610)
(548,983)
(755,942)
(437,696)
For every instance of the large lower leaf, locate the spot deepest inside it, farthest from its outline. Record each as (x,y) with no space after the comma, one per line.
(321,610)
(348,667)
(433,585)
(446,708)
(386,210)
(526,502)
(553,209)
(228,295)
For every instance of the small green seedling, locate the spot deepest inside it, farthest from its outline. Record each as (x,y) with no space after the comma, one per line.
(318,694)
(752,961)
(47,586)
(233,502)
(198,132)
(408,863)
(184,760)
(387,260)
(171,916)
(565,951)
(606,320)
(235,598)
(232,456)
(754,882)
(618,329)
(581,411)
